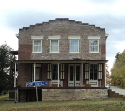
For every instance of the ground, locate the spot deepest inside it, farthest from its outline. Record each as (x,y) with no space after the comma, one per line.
(111,104)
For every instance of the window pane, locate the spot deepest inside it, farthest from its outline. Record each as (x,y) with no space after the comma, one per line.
(37,42)
(37,72)
(74,45)
(71,73)
(77,73)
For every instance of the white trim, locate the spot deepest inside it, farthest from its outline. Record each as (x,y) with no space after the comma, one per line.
(54,37)
(93,37)
(37,37)
(50,46)
(74,37)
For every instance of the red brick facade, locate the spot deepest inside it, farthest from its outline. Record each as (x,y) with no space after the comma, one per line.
(64,28)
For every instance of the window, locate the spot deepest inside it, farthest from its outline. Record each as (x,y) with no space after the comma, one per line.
(54,71)
(37,46)
(37,72)
(94,45)
(74,46)
(54,43)
(93,72)
(54,46)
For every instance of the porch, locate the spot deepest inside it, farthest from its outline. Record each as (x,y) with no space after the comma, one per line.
(59,73)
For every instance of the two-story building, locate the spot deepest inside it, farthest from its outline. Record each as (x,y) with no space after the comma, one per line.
(68,54)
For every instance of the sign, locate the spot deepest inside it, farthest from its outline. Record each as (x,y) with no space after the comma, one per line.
(41,83)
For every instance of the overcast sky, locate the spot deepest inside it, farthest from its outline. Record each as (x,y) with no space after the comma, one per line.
(108,14)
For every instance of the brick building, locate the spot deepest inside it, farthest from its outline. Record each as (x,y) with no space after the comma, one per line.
(68,54)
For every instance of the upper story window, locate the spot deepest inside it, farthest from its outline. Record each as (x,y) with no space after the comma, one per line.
(74,44)
(37,44)
(54,44)
(94,44)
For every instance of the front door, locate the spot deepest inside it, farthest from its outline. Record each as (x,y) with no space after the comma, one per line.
(74,75)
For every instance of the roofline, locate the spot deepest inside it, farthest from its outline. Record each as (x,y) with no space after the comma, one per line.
(59,61)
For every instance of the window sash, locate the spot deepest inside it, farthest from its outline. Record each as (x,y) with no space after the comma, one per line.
(94,45)
(37,45)
(54,46)
(74,46)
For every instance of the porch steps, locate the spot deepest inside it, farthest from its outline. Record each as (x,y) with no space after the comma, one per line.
(113,94)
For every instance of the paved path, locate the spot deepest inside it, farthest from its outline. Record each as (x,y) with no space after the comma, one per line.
(118,90)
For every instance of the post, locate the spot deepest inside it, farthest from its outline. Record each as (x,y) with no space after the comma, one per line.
(17,95)
(34,71)
(15,76)
(15,83)
(37,97)
(58,74)
(82,74)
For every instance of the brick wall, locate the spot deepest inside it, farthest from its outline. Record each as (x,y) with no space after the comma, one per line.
(64,28)
(24,74)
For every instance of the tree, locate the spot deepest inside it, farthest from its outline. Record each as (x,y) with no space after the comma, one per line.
(108,79)
(5,58)
(118,70)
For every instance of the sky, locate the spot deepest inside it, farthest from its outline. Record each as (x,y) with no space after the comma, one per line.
(108,14)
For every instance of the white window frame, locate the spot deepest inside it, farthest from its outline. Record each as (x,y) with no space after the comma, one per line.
(94,38)
(51,46)
(76,46)
(37,45)
(39,38)
(56,37)
(73,38)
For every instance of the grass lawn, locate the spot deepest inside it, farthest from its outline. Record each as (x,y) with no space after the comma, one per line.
(74,105)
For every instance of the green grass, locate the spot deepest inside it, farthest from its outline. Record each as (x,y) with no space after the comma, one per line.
(75,105)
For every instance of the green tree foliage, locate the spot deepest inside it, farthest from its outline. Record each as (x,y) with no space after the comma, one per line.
(118,70)
(5,58)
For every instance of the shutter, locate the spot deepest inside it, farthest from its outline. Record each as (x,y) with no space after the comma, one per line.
(49,71)
(86,71)
(62,70)
(99,71)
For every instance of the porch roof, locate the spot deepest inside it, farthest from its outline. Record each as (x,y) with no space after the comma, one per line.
(60,61)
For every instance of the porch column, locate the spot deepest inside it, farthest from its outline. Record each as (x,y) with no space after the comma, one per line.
(105,73)
(15,76)
(34,71)
(82,74)
(58,74)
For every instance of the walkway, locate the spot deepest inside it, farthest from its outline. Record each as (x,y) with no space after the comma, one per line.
(118,90)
